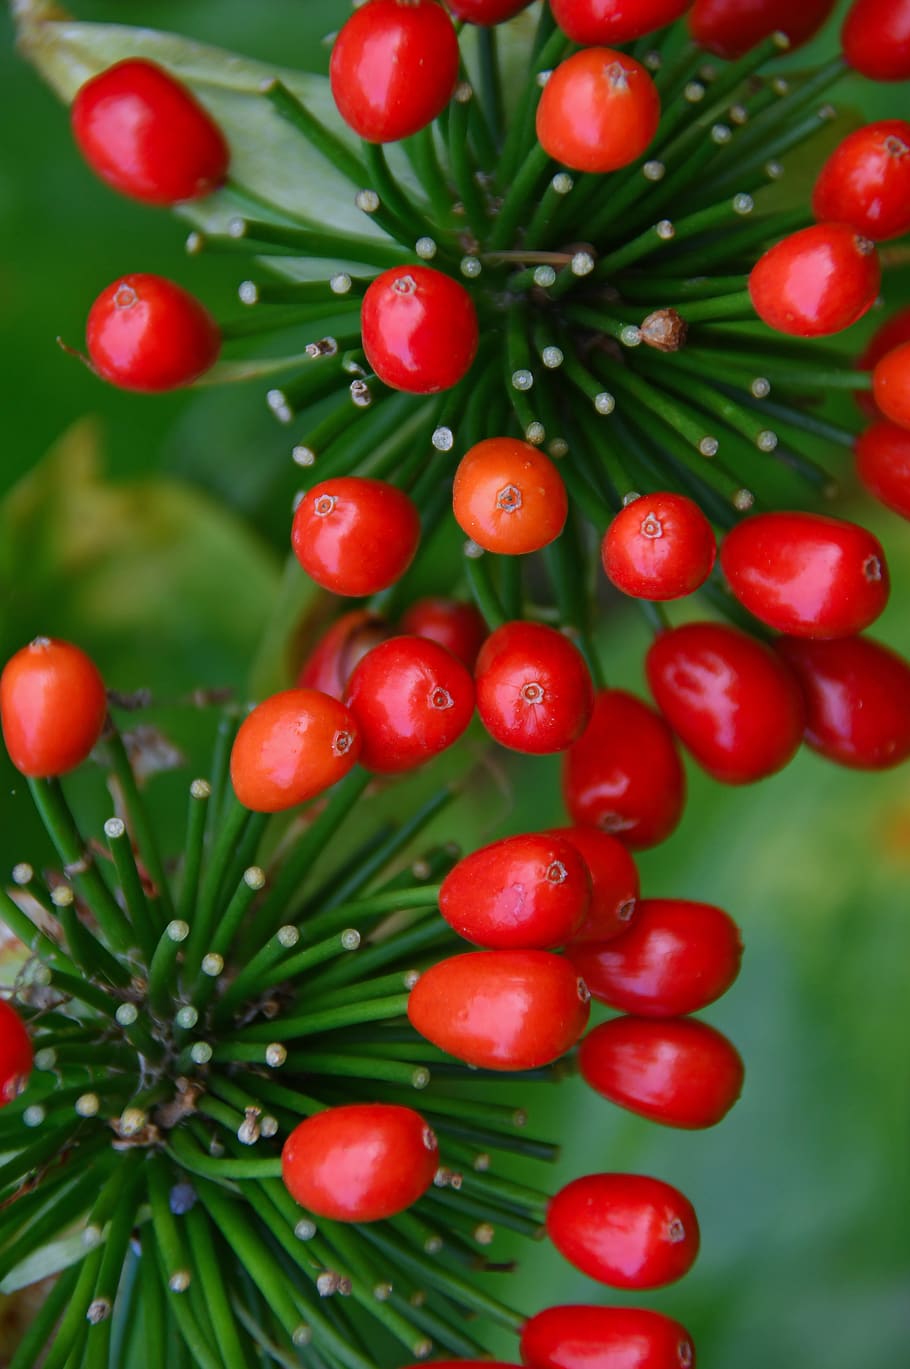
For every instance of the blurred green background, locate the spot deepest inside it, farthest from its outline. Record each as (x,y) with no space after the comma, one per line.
(119,541)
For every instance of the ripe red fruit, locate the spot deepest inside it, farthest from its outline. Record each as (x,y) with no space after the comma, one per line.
(624,774)
(582,1337)
(464,1364)
(676,958)
(681,1073)
(883,465)
(857,699)
(876,39)
(394,67)
(360,1162)
(486,12)
(614,883)
(599,111)
(53,707)
(730,28)
(806,574)
(147,135)
(534,690)
(328,666)
(509,497)
(145,333)
(15,1053)
(411,699)
(614,21)
(456,626)
(291,747)
(625,1230)
(355,536)
(817,281)
(866,181)
(501,1010)
(891,385)
(660,546)
(889,335)
(520,893)
(728,700)
(419,326)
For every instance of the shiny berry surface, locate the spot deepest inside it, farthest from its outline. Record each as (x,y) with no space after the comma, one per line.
(660,546)
(876,39)
(586,1337)
(457,626)
(15,1053)
(355,536)
(148,334)
(614,883)
(599,111)
(485,12)
(145,134)
(590,22)
(53,706)
(501,1010)
(819,280)
(806,574)
(328,666)
(625,1230)
(508,497)
(419,327)
(866,181)
(731,28)
(890,334)
(534,689)
(891,385)
(883,465)
(290,748)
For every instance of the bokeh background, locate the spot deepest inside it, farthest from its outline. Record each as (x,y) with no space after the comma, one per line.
(143,529)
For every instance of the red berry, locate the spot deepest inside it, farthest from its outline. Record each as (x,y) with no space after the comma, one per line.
(599,111)
(889,335)
(534,690)
(419,326)
(146,333)
(681,1073)
(456,626)
(580,1337)
(891,385)
(528,892)
(394,67)
(866,181)
(614,883)
(730,28)
(883,465)
(624,774)
(328,666)
(728,699)
(876,39)
(53,707)
(817,281)
(291,747)
(806,574)
(592,22)
(146,134)
(509,497)
(676,958)
(486,12)
(464,1364)
(411,699)
(355,536)
(361,1162)
(857,699)
(625,1230)
(660,546)
(501,1010)
(15,1053)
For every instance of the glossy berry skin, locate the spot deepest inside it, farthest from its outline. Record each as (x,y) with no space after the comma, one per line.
(464,1364)
(419,326)
(508,497)
(593,22)
(883,465)
(598,112)
(15,1053)
(806,574)
(676,958)
(528,892)
(624,774)
(681,1072)
(360,1162)
(894,331)
(857,699)
(355,536)
(144,133)
(145,333)
(660,546)
(891,385)
(876,39)
(501,1010)
(328,666)
(393,68)
(534,690)
(411,699)
(53,706)
(866,181)
(614,883)
(731,28)
(817,281)
(456,626)
(486,12)
(625,1230)
(728,700)
(585,1337)
(293,746)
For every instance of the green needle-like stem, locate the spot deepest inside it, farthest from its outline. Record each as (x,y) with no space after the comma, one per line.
(137,906)
(140,824)
(202,924)
(483,591)
(313,1023)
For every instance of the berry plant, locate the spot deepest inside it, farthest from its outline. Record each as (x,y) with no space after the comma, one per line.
(562,306)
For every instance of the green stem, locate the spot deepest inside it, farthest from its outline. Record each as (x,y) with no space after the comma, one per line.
(202,926)
(313,241)
(463,167)
(421,153)
(490,79)
(200,796)
(314,1023)
(140,823)
(119,843)
(550,46)
(331,147)
(483,592)
(518,198)
(397,213)
(162,970)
